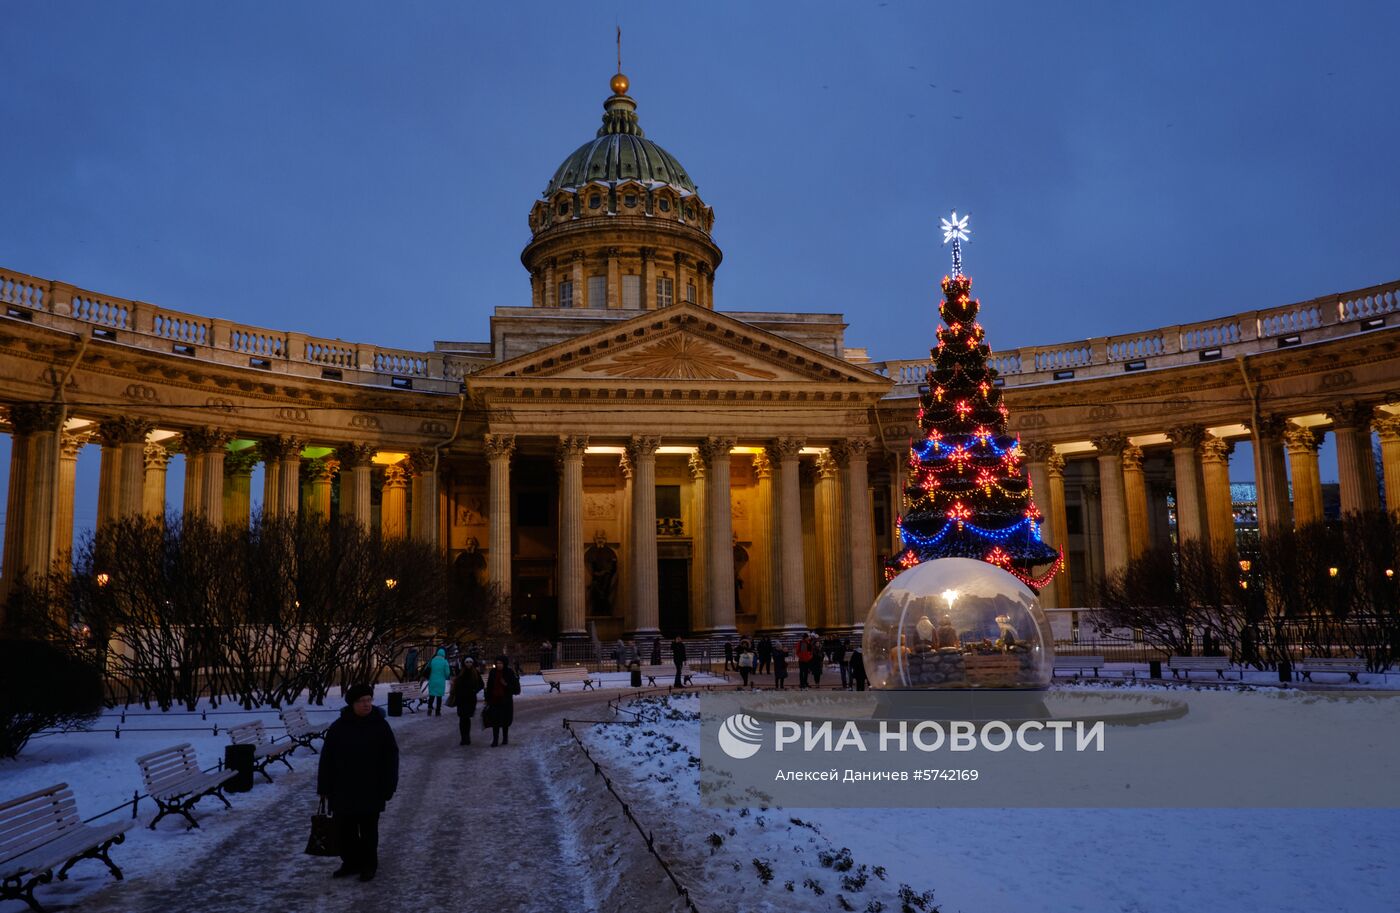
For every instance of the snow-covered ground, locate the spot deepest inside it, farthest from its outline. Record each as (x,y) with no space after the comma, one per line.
(993,860)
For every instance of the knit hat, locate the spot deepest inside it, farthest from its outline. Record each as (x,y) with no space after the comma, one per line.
(355,692)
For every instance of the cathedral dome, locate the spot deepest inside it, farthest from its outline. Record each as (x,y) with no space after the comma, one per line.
(620,152)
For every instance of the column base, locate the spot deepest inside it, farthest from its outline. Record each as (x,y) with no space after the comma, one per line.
(572,635)
(641,632)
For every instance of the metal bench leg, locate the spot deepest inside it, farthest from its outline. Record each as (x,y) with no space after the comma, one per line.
(587,685)
(26,893)
(219,794)
(651,680)
(554,686)
(283,759)
(262,769)
(1354,678)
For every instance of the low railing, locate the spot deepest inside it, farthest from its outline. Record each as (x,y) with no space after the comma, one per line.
(146,326)
(1329,317)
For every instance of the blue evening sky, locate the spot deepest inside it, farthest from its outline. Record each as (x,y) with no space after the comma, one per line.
(364,170)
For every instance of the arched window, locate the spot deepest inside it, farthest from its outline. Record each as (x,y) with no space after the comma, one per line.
(665,204)
(595,201)
(629,200)
(563,207)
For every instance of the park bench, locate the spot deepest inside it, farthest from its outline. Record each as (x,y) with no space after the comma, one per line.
(41,831)
(1352,666)
(265,751)
(1078,664)
(173,779)
(414,695)
(555,678)
(301,730)
(664,670)
(1183,666)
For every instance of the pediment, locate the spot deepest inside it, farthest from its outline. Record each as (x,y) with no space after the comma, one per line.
(681,344)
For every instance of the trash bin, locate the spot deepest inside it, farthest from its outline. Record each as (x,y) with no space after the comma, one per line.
(395,703)
(1285,670)
(1154,669)
(239,758)
(636,669)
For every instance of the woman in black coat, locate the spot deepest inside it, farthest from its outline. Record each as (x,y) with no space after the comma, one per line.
(465,687)
(358,774)
(501,687)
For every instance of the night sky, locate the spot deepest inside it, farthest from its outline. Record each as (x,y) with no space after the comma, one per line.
(364,170)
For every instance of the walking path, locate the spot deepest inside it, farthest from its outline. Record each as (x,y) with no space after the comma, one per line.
(469,828)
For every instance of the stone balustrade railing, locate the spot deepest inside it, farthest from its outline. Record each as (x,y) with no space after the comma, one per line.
(1329,317)
(158,329)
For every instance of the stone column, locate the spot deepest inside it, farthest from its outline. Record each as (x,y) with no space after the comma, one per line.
(700,609)
(1302,446)
(71,445)
(648,278)
(624,541)
(1190,517)
(1270,475)
(33,503)
(1135,501)
(614,280)
(393,502)
(580,282)
(551,285)
(320,473)
(679,294)
(836,566)
(766,544)
(1112,502)
(108,479)
(13,558)
(1388,427)
(238,486)
(356,466)
(1356,470)
(424,495)
(1220,511)
(572,603)
(1037,454)
(861,530)
(272,472)
(153,492)
(499,448)
(289,498)
(129,435)
(1056,521)
(791,577)
(719,528)
(642,621)
(204,450)
(537,287)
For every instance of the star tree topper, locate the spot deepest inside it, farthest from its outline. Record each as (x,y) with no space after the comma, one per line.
(955,230)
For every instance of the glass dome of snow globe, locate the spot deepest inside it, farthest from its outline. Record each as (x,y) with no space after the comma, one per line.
(957,623)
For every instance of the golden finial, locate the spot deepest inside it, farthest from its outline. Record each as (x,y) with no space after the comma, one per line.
(619,82)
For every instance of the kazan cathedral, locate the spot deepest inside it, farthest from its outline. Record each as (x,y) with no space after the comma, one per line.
(624,456)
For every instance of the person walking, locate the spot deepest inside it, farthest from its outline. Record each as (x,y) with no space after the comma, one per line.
(357,775)
(501,687)
(804,661)
(656,651)
(780,657)
(678,657)
(728,656)
(856,667)
(746,662)
(439,671)
(816,663)
(765,655)
(465,687)
(838,656)
(410,665)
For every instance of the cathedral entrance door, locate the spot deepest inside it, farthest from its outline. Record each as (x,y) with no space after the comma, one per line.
(673,595)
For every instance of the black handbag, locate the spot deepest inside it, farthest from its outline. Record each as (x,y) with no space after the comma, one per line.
(323,840)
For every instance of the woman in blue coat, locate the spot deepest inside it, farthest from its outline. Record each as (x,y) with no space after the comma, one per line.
(438,673)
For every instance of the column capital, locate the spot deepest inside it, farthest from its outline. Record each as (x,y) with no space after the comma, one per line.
(354,454)
(1351,415)
(1111,444)
(1387,426)
(27,418)
(419,461)
(396,475)
(852,448)
(1269,427)
(762,465)
(1055,465)
(499,446)
(204,439)
(1132,458)
(240,462)
(73,442)
(157,455)
(1186,435)
(647,253)
(640,446)
(1215,450)
(125,430)
(716,448)
(1300,440)
(696,465)
(572,446)
(613,252)
(577,256)
(827,466)
(786,448)
(1037,451)
(278,448)
(320,469)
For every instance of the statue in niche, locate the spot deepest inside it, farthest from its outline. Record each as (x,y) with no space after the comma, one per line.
(601,563)
(469,569)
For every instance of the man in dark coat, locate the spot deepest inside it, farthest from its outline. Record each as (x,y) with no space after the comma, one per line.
(501,687)
(857,668)
(358,774)
(465,687)
(678,656)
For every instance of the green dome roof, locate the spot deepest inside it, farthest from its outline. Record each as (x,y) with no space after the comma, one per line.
(620,152)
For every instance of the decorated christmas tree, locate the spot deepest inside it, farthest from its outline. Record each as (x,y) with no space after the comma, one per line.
(968,495)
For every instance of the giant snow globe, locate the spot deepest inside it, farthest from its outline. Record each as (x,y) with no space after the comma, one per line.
(957,623)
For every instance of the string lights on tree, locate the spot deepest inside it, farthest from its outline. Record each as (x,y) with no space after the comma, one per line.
(968,495)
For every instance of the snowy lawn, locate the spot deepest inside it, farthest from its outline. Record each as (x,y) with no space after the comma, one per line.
(993,860)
